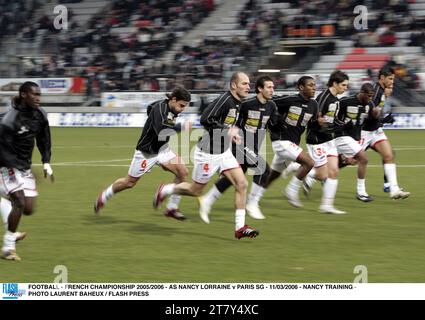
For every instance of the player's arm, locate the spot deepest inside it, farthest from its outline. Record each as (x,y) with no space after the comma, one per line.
(282,103)
(7,159)
(275,119)
(242,117)
(160,120)
(374,111)
(236,130)
(316,120)
(8,128)
(340,115)
(44,145)
(212,114)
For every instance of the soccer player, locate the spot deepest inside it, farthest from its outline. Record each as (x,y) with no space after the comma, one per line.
(297,111)
(153,149)
(320,143)
(213,153)
(373,135)
(24,125)
(257,114)
(349,119)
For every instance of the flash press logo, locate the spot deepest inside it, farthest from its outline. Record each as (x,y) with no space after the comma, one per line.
(11,291)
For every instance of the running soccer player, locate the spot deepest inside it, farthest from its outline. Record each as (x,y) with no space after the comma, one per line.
(153,149)
(23,126)
(320,141)
(213,153)
(296,111)
(373,135)
(257,114)
(349,119)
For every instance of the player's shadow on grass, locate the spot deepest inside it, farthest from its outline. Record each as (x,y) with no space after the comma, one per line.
(156,229)
(105,219)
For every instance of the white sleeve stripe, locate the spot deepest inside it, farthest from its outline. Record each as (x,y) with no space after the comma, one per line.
(160,112)
(322,101)
(282,98)
(218,106)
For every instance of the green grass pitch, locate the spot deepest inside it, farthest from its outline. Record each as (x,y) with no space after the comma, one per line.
(131,242)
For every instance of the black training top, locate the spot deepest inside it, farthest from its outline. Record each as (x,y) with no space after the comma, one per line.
(217,118)
(351,109)
(371,123)
(296,113)
(327,104)
(21,128)
(159,126)
(254,118)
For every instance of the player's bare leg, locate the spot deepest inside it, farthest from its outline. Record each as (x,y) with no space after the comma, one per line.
(330,185)
(385,150)
(362,161)
(30,203)
(9,240)
(237,177)
(177,167)
(119,185)
(292,189)
(6,209)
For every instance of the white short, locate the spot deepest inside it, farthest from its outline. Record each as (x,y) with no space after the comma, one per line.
(347,146)
(284,153)
(12,180)
(320,152)
(205,165)
(142,164)
(371,138)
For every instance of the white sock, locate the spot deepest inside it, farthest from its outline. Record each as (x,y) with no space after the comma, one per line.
(168,189)
(310,179)
(291,168)
(212,195)
(173,202)
(5,209)
(312,174)
(361,187)
(391,174)
(329,190)
(9,241)
(256,193)
(239,218)
(294,186)
(107,194)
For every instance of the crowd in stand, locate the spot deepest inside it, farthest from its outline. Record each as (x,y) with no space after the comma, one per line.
(129,60)
(152,28)
(15,14)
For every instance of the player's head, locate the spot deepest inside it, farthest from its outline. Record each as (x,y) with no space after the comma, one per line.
(366,93)
(264,86)
(307,86)
(386,77)
(29,94)
(338,80)
(178,99)
(239,85)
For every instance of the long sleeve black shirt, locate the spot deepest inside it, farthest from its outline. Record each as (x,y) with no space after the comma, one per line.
(21,129)
(159,126)
(217,118)
(296,113)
